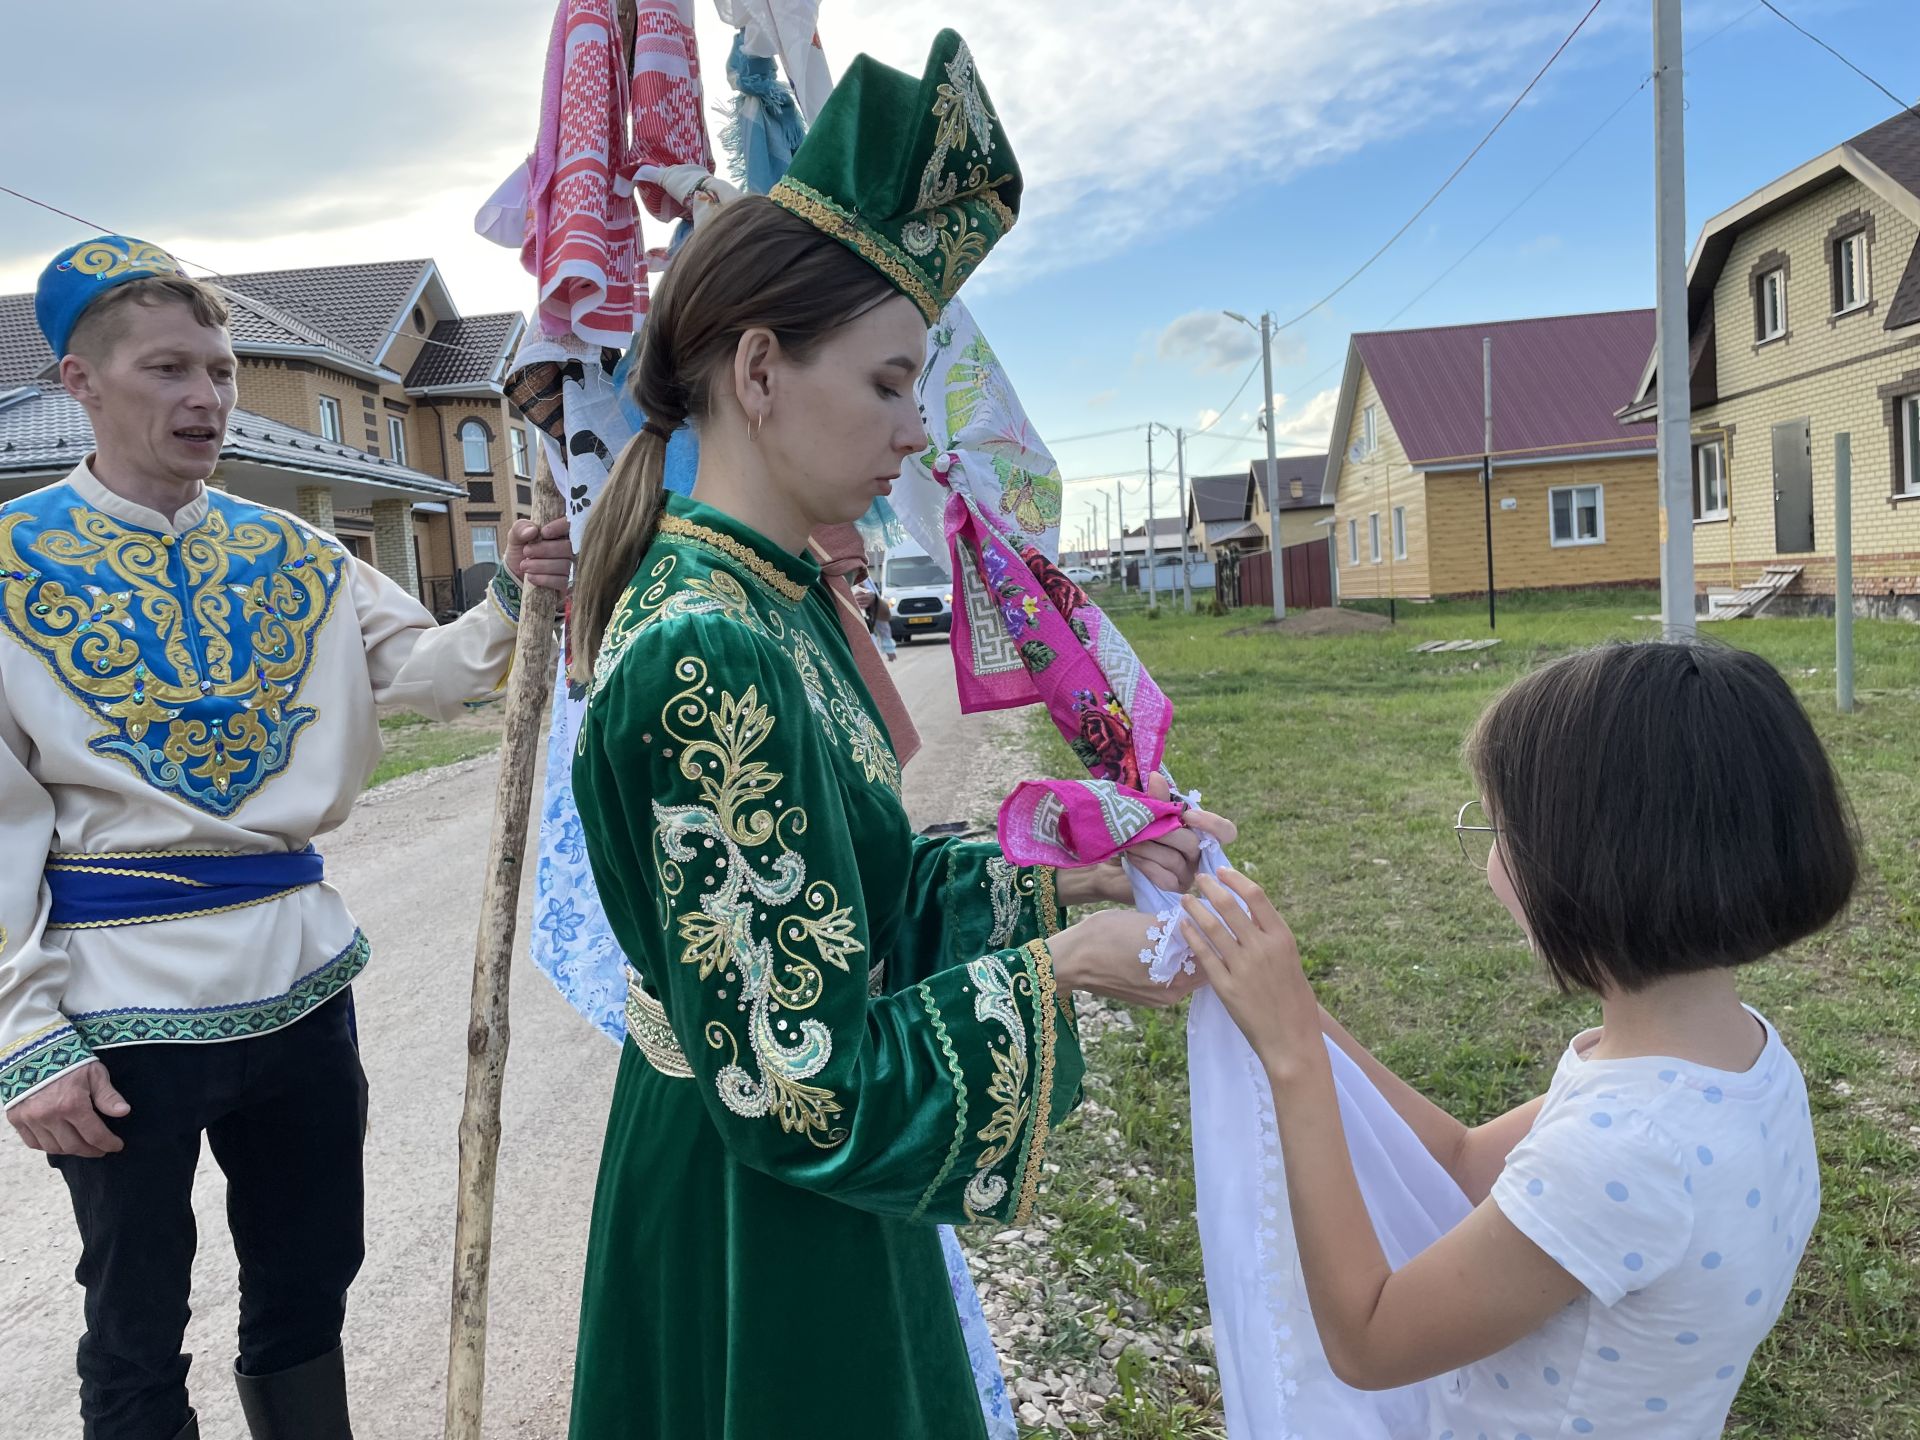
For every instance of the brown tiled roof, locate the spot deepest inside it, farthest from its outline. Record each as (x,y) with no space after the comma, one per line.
(1220,497)
(356,306)
(1558,384)
(467,351)
(1309,470)
(23,349)
(1894,146)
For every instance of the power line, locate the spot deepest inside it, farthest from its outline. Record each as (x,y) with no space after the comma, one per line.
(239,295)
(1904,105)
(1093,435)
(1457,170)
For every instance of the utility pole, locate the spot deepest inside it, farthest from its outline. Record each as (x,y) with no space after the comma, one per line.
(1120,499)
(1273,470)
(1486,460)
(1674,383)
(1110,549)
(1186,568)
(1153,584)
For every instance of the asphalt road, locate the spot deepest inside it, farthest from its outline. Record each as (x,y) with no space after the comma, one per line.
(409,861)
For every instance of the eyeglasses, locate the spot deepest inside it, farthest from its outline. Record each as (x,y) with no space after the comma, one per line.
(1476,837)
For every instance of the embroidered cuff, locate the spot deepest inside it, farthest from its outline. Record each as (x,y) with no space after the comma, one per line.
(39,1058)
(1040,966)
(504,595)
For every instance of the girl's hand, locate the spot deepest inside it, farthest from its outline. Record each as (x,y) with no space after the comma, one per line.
(1253,964)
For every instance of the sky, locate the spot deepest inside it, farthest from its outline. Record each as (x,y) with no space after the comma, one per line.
(1181,159)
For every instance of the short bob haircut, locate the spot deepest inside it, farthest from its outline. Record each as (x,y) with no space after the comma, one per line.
(104,324)
(1662,807)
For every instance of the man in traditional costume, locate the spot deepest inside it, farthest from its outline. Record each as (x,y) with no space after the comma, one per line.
(188,693)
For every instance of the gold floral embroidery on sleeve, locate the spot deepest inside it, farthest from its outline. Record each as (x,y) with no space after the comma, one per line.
(737,845)
(995,1001)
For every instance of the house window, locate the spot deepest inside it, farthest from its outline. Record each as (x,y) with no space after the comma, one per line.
(1370,430)
(1770,306)
(1910,442)
(1399,532)
(486,544)
(1578,515)
(1353,542)
(1850,283)
(397,439)
(1710,481)
(473,448)
(520,466)
(1373,536)
(330,428)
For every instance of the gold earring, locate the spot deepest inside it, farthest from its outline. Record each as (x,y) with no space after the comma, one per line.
(753,431)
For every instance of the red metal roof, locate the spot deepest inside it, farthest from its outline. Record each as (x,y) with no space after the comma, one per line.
(1557,383)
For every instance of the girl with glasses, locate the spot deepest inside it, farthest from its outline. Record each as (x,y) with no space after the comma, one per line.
(1654,816)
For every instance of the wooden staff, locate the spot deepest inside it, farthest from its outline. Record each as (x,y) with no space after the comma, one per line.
(529,688)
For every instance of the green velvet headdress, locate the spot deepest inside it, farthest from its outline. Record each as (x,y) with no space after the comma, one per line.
(915,175)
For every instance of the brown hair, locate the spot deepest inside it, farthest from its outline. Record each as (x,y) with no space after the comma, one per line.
(753,266)
(104,323)
(1662,807)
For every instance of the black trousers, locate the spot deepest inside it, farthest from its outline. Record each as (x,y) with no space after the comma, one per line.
(285,1115)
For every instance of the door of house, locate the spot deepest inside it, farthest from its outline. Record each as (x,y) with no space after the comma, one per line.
(1793,488)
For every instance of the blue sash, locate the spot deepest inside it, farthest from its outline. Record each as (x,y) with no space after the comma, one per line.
(94,891)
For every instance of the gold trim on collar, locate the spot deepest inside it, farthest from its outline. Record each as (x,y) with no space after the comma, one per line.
(760,568)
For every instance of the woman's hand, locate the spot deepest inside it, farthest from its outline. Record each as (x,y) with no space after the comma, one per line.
(1101,955)
(1251,960)
(1170,862)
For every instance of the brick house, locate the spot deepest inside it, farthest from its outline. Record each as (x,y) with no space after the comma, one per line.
(1803,305)
(1575,496)
(373,370)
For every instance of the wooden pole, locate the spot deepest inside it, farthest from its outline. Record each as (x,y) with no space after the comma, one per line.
(1843,571)
(529,689)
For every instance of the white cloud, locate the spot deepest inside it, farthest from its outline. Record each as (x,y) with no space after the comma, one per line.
(1208,341)
(1102,400)
(1146,118)
(1311,424)
(1208,419)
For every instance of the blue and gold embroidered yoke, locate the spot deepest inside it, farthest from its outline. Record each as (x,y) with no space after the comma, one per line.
(203,685)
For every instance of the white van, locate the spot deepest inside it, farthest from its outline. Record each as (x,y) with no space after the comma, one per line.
(917,588)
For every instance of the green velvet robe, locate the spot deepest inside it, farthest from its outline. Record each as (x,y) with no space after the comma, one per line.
(840,1033)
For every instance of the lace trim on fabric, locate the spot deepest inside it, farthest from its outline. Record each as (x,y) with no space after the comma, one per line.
(959,1101)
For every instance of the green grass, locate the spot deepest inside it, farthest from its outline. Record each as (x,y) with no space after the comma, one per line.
(1339,757)
(414,742)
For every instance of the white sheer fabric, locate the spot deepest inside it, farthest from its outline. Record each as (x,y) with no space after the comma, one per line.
(1273,1372)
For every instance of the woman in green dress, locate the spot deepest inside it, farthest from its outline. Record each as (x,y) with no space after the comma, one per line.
(840,1033)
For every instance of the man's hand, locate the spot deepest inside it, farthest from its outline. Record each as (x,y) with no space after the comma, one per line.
(64,1118)
(540,557)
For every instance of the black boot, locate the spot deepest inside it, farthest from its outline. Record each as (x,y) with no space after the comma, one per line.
(308,1402)
(191,1430)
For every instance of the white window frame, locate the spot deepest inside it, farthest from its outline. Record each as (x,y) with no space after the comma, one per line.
(1718,449)
(1373,535)
(1573,512)
(1353,542)
(1773,283)
(332,425)
(1399,532)
(1370,429)
(1909,412)
(397,439)
(522,468)
(468,432)
(1854,245)
(487,553)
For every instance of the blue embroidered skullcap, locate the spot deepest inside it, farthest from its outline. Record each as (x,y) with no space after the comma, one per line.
(81,274)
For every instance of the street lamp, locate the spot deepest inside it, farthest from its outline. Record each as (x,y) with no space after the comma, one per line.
(1273,462)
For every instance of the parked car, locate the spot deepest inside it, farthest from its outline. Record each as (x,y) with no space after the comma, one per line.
(917,587)
(1083,575)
